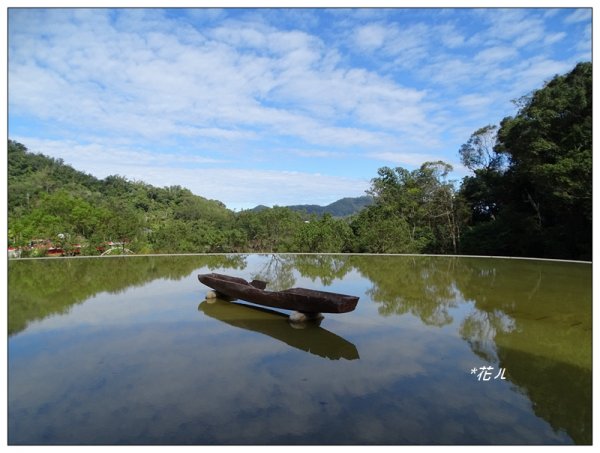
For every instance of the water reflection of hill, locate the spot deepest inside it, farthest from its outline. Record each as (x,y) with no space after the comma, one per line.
(40,288)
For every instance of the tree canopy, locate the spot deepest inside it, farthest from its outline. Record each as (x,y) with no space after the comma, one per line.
(541,203)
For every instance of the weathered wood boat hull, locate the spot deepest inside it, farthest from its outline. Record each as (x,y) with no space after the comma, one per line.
(300,299)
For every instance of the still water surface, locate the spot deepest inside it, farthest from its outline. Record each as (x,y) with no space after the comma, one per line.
(126,350)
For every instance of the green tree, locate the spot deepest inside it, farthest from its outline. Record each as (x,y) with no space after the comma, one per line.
(541,203)
(270,229)
(323,235)
(550,146)
(480,150)
(124,223)
(379,229)
(414,211)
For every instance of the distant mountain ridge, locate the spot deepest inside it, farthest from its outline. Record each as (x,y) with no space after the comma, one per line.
(340,208)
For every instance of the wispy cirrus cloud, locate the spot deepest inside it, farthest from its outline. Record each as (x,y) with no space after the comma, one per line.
(213,178)
(275,90)
(579,15)
(159,86)
(111,158)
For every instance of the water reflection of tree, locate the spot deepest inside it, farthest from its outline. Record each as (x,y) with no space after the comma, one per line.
(40,288)
(325,268)
(422,286)
(479,329)
(531,318)
(534,318)
(522,299)
(280,270)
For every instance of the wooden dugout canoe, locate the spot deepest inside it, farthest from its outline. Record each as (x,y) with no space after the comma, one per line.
(299,299)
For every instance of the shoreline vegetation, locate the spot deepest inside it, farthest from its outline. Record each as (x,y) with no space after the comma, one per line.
(309,254)
(529,196)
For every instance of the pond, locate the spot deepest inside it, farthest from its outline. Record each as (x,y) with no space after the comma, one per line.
(440,350)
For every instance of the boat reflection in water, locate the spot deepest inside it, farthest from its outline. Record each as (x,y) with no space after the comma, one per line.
(309,336)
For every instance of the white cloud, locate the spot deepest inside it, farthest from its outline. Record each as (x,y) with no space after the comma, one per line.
(320,154)
(512,24)
(110,158)
(245,188)
(584,45)
(154,85)
(554,38)
(410,159)
(533,72)
(474,101)
(208,177)
(207,86)
(450,36)
(451,70)
(408,44)
(579,15)
(496,55)
(370,37)
(241,188)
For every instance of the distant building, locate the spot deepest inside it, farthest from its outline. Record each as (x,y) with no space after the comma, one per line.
(14,252)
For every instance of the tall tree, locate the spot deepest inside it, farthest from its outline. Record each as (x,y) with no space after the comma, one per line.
(414,211)
(323,235)
(479,151)
(484,190)
(542,203)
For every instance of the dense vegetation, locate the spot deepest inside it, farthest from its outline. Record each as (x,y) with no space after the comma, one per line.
(530,195)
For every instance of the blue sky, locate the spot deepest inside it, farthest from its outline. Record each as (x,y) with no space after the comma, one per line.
(274,106)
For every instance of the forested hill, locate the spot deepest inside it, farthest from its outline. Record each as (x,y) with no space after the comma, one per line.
(529,194)
(341,208)
(46,197)
(51,202)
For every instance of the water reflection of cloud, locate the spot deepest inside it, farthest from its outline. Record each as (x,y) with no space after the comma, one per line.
(150,369)
(233,374)
(160,299)
(480,328)
(236,385)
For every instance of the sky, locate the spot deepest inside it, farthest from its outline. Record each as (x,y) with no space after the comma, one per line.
(275,106)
